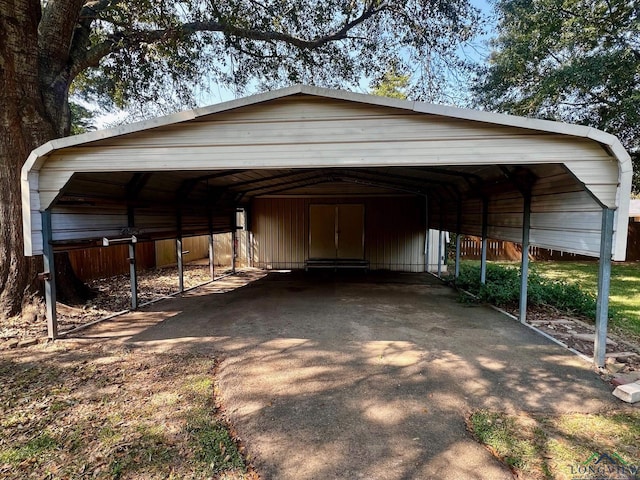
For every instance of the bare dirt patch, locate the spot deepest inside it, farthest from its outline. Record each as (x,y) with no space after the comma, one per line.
(623,356)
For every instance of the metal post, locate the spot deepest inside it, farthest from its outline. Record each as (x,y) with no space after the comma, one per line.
(524,265)
(233,251)
(179,250)
(483,255)
(234,234)
(604,280)
(440,241)
(458,237)
(180,266)
(426,237)
(441,246)
(50,276)
(211,257)
(133,274)
(458,241)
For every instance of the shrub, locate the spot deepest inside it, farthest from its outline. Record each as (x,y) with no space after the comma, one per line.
(502,288)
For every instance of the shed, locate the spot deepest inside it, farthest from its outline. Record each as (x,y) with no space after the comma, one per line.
(328,175)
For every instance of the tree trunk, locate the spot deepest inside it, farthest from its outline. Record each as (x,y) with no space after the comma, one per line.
(71,290)
(25,123)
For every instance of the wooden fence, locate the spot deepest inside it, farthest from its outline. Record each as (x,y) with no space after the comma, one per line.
(92,263)
(471,249)
(102,262)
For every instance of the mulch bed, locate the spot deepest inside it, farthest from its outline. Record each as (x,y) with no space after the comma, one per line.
(577,333)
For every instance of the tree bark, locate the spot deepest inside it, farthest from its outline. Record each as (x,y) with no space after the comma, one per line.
(24,125)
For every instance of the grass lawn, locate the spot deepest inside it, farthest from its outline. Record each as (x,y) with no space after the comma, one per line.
(91,413)
(624,300)
(570,446)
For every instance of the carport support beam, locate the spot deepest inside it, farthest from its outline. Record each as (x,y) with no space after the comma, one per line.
(483,254)
(49,277)
(604,280)
(524,264)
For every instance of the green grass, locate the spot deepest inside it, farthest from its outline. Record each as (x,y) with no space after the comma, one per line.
(568,286)
(624,300)
(542,446)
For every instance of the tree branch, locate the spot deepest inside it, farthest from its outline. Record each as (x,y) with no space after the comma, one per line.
(119,40)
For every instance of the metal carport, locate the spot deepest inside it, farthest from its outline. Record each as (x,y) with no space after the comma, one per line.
(553,185)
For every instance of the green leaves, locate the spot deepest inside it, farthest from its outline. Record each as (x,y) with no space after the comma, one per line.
(163,53)
(571,60)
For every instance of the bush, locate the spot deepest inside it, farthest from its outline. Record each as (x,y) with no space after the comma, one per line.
(502,288)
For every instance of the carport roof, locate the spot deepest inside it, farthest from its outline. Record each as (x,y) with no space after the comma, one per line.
(604,173)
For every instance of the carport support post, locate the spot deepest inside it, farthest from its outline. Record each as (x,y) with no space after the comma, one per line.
(604,280)
(458,238)
(524,265)
(180,266)
(49,277)
(133,275)
(426,237)
(234,242)
(483,254)
(440,241)
(211,257)
(211,250)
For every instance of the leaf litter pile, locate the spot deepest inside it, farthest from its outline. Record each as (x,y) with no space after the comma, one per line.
(114,295)
(90,412)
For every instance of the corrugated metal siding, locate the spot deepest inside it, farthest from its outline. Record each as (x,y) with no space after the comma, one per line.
(394,232)
(330,132)
(305,131)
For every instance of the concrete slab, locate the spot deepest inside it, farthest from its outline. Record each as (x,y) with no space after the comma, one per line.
(365,376)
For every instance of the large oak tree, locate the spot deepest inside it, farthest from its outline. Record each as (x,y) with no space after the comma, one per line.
(158,52)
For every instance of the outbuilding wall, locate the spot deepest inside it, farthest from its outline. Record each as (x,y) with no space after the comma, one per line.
(394,231)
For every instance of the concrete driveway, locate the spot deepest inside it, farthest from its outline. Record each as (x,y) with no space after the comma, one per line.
(365,376)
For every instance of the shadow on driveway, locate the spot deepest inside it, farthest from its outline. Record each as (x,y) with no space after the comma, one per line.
(364,376)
